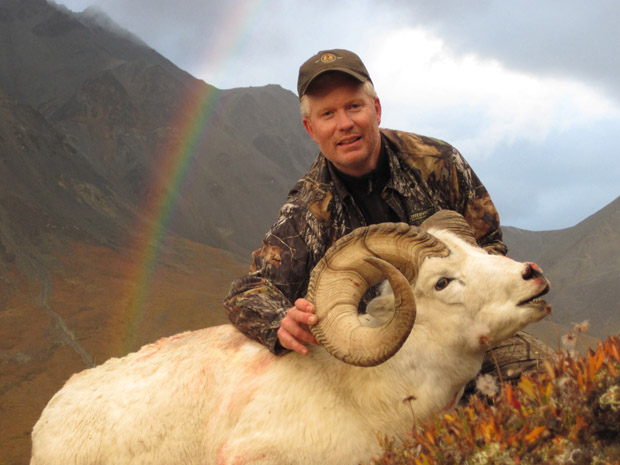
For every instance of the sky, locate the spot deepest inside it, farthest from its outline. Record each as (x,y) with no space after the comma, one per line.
(527,90)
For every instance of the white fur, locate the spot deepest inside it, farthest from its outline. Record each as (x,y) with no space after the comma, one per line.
(213,397)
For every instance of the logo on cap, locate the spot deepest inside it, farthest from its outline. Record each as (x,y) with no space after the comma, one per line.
(328,58)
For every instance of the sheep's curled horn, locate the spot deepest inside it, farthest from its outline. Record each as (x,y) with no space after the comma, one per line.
(360,260)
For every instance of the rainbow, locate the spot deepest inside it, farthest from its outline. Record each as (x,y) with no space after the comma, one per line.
(194,122)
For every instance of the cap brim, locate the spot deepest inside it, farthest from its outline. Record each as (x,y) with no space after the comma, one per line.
(357,76)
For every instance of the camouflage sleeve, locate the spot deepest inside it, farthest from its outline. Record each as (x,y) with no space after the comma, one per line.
(475,203)
(258,301)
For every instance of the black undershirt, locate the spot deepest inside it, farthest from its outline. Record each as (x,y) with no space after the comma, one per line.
(366,191)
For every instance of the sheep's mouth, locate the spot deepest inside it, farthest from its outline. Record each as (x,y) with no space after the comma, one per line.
(537,299)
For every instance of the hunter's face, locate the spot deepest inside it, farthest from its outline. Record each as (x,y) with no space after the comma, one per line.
(344,122)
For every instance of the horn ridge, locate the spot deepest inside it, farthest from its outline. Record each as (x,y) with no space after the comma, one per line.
(451,221)
(354,263)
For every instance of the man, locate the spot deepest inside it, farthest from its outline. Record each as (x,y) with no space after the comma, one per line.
(363,175)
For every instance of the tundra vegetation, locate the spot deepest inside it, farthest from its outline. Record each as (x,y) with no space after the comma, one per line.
(566,413)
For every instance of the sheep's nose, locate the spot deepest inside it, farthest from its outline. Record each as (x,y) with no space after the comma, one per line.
(532,271)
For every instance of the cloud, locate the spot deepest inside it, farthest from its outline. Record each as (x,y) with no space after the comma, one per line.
(555,183)
(414,69)
(554,37)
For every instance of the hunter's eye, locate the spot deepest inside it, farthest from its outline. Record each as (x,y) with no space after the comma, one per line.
(442,283)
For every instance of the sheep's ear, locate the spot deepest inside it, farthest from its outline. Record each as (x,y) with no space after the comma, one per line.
(451,221)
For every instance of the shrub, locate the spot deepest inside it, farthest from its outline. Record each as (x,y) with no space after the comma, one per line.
(567,413)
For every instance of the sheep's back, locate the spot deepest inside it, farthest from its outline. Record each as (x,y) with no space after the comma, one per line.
(178,389)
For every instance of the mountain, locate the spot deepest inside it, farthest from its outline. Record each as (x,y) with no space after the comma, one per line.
(128,113)
(100,252)
(583,264)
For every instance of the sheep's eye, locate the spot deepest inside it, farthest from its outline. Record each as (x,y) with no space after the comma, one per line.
(442,283)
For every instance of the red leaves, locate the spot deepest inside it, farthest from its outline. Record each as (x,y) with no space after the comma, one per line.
(547,416)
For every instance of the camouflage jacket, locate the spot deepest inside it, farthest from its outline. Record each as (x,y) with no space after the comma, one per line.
(426,175)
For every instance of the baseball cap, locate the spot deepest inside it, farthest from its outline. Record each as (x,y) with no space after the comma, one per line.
(330,60)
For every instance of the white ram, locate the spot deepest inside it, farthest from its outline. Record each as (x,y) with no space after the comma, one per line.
(214,397)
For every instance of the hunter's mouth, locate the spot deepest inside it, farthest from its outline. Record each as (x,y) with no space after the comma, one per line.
(349,140)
